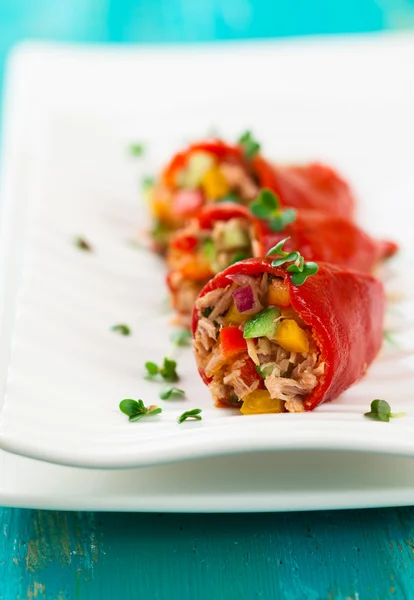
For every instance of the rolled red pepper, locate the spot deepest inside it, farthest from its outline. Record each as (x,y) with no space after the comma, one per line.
(173,206)
(343,308)
(332,239)
(314,186)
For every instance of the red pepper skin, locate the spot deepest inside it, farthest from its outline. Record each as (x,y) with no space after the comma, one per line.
(320,237)
(345,310)
(314,186)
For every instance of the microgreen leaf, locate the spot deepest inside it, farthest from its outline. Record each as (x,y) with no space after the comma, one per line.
(250,146)
(237,257)
(278,248)
(170,393)
(122,329)
(135,409)
(168,370)
(181,337)
(152,368)
(298,279)
(230,198)
(190,414)
(390,339)
(82,244)
(300,270)
(147,182)
(381,411)
(136,149)
(278,262)
(266,204)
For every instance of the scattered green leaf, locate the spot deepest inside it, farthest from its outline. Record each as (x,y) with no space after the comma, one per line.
(122,329)
(136,149)
(82,244)
(206,312)
(167,370)
(300,270)
(147,183)
(135,409)
(381,411)
(171,393)
(181,337)
(390,339)
(190,414)
(250,146)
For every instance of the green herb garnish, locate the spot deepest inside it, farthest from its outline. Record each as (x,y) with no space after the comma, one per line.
(259,371)
(237,257)
(230,198)
(181,337)
(267,208)
(147,183)
(82,244)
(381,411)
(121,329)
(160,233)
(250,146)
(167,370)
(190,414)
(136,149)
(209,250)
(206,312)
(171,392)
(390,339)
(135,409)
(264,371)
(300,270)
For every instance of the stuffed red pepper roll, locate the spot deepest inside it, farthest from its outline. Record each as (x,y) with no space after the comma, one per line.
(277,335)
(206,172)
(225,233)
(214,171)
(221,235)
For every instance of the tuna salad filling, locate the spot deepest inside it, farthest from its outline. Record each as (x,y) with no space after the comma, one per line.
(254,348)
(196,255)
(202,180)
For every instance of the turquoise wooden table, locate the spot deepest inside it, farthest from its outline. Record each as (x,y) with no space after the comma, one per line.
(358,555)
(354,555)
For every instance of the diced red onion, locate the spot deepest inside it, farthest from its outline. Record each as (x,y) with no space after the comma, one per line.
(246,298)
(243,298)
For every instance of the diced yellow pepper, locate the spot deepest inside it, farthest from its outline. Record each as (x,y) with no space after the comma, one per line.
(278,293)
(161,208)
(260,402)
(291,337)
(214,184)
(233,316)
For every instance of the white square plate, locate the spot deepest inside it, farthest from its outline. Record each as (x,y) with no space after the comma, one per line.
(66,172)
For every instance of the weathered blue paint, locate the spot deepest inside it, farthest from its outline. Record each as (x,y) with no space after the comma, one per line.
(358,555)
(364,555)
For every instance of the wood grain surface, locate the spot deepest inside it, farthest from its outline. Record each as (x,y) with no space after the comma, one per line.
(346,555)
